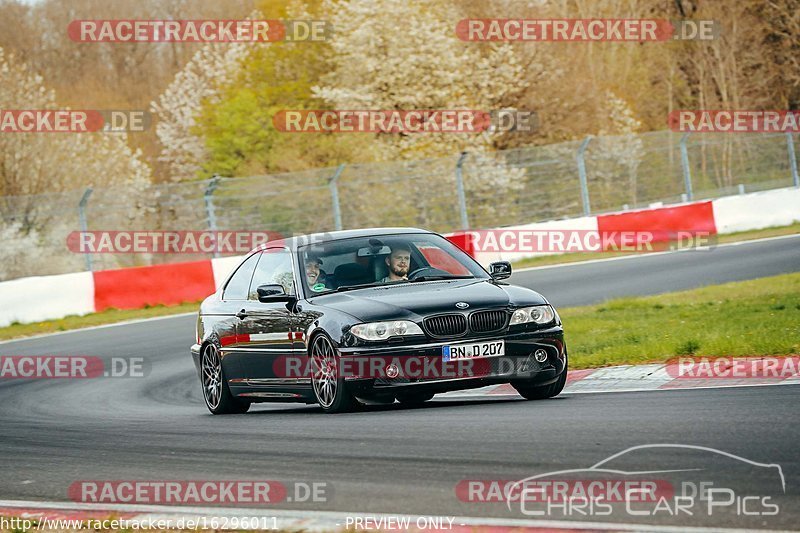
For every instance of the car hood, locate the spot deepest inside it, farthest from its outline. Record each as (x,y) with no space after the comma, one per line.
(414,300)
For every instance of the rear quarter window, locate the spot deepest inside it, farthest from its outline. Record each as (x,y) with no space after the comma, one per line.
(237,286)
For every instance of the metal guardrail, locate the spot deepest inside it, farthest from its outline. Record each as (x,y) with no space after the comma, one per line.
(481,190)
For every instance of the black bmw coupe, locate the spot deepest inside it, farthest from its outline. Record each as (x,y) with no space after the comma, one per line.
(373,315)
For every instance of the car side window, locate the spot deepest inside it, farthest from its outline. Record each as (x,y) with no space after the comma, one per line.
(236,289)
(274,267)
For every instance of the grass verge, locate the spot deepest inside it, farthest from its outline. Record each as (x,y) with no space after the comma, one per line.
(108,316)
(547,260)
(744,318)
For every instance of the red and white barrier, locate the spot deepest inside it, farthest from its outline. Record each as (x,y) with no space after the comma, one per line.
(730,214)
(662,221)
(660,224)
(51,297)
(170,284)
(486,257)
(40,298)
(758,210)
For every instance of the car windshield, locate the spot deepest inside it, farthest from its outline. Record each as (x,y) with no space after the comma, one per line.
(362,262)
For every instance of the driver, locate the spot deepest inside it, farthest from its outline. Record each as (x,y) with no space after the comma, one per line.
(398,262)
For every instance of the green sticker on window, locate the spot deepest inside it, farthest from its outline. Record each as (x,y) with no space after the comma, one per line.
(318,287)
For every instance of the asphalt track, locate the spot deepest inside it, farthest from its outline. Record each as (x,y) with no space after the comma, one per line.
(393,459)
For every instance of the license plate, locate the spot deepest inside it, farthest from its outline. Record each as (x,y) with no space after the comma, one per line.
(455,352)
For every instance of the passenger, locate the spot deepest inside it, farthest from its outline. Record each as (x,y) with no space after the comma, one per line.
(315,277)
(398,262)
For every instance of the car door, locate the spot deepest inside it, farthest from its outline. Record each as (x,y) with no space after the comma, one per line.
(265,328)
(234,295)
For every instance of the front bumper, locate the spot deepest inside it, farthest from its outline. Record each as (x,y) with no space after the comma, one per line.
(421,368)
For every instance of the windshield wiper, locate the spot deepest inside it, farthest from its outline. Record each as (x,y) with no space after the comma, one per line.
(436,278)
(354,287)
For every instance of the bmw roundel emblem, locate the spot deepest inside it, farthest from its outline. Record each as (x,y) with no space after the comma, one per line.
(462,305)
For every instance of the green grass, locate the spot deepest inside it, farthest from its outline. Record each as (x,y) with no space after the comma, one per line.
(747,318)
(546,260)
(109,316)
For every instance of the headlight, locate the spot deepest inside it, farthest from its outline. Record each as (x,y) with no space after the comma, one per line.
(538,314)
(378,331)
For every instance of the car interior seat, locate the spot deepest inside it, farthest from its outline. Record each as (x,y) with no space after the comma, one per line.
(352,274)
(379,268)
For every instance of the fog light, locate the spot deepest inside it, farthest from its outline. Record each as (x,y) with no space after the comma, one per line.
(392,371)
(540,355)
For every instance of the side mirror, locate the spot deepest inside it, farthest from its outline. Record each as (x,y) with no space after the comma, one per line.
(500,270)
(272,293)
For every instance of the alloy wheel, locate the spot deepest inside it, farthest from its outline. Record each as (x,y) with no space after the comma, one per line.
(212,376)
(325,376)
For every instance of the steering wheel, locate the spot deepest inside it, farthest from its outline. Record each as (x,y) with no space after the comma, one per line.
(427,271)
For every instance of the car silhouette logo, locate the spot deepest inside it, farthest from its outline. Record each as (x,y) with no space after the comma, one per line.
(462,305)
(613,466)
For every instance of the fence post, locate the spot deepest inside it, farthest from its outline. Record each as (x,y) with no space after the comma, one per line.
(579,156)
(208,198)
(687,172)
(462,197)
(792,159)
(84,226)
(333,183)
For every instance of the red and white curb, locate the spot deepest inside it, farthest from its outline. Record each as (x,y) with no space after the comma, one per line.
(628,378)
(316,521)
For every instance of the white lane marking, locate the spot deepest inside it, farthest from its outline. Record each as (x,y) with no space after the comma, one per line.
(462,395)
(685,388)
(100,326)
(332,520)
(655,254)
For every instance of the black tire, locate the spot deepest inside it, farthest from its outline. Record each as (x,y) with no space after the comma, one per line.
(216,392)
(414,399)
(541,392)
(327,383)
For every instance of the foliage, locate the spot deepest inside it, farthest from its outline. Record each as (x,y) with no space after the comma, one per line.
(197,84)
(31,163)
